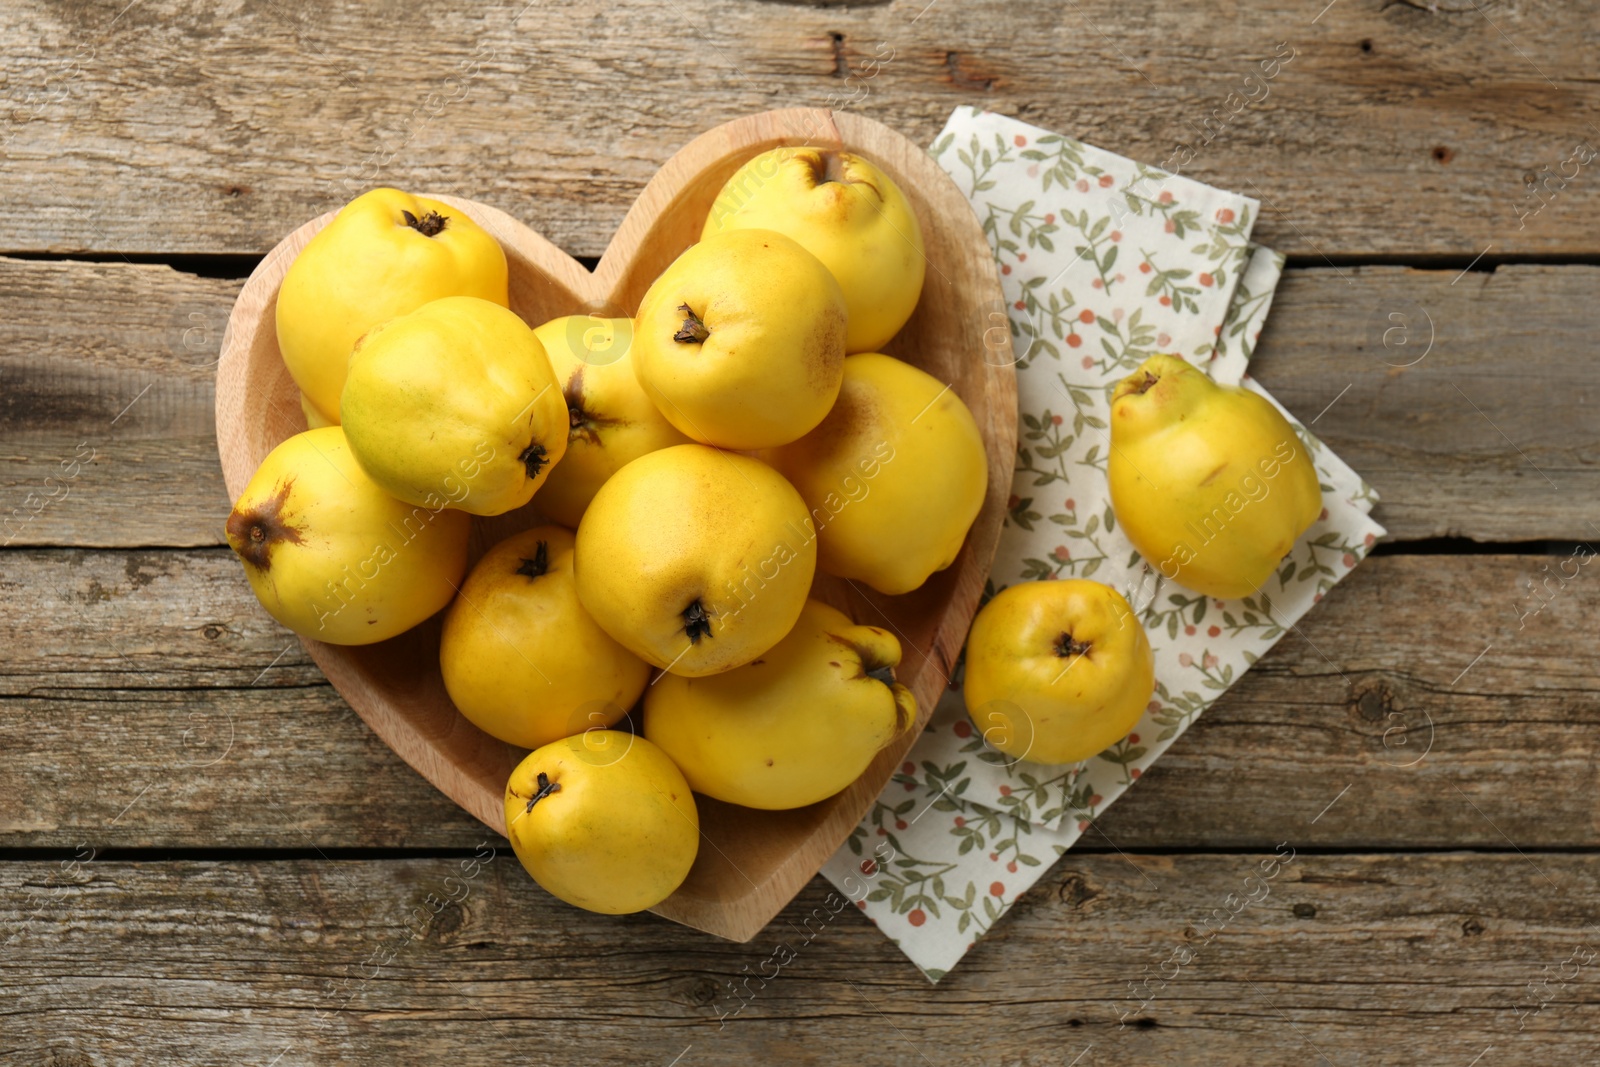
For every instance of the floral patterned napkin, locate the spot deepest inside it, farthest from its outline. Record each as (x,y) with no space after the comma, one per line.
(1104,262)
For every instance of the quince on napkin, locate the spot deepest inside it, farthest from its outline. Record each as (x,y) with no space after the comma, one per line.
(1104,262)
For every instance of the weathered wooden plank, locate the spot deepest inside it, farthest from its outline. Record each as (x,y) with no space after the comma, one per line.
(107,431)
(1344,959)
(149,689)
(1465,399)
(1394,128)
(1506,355)
(145,699)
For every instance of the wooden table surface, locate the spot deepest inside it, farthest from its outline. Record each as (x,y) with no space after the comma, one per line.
(205,857)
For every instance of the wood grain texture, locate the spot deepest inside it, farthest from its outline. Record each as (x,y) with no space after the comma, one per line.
(395,685)
(116,361)
(1512,342)
(1470,401)
(1395,128)
(146,700)
(1391,959)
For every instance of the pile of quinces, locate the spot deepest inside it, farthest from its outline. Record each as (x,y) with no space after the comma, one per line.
(692,468)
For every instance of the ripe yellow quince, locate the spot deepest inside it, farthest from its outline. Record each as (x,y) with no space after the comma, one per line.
(455,401)
(740,343)
(331,555)
(794,726)
(612,421)
(1057,670)
(1209,482)
(847,213)
(520,656)
(603,820)
(385,254)
(893,477)
(696,560)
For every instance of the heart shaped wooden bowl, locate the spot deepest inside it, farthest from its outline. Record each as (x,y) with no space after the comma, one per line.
(751,863)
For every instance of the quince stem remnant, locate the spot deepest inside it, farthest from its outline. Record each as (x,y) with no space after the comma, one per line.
(1068,646)
(693,331)
(533,458)
(430,225)
(546,787)
(696,622)
(536,567)
(827,167)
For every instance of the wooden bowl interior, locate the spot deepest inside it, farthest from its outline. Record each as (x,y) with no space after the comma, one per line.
(751,863)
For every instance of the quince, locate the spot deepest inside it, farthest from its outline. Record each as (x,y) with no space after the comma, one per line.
(520,656)
(1057,670)
(332,556)
(847,213)
(603,821)
(1209,482)
(893,477)
(385,254)
(740,343)
(792,727)
(455,399)
(696,560)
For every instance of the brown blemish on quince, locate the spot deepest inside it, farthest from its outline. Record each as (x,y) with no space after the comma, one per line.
(826,351)
(256,530)
(584,425)
(856,416)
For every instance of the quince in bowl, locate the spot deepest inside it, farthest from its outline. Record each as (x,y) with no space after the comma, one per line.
(750,863)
